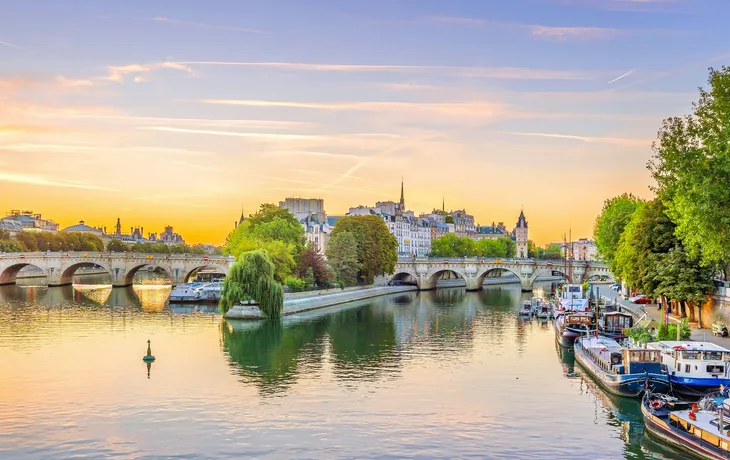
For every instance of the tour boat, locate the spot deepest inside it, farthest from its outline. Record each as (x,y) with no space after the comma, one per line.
(570,326)
(536,303)
(621,371)
(184,293)
(613,323)
(703,430)
(544,311)
(210,292)
(526,309)
(695,368)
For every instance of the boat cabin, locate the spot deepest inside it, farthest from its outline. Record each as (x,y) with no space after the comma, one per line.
(698,360)
(613,323)
(612,357)
(707,427)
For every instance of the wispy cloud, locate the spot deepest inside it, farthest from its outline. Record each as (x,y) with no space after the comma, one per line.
(203,25)
(462,109)
(586,139)
(577,33)
(205,122)
(6,130)
(310,153)
(119,73)
(561,33)
(74,148)
(516,73)
(266,136)
(10,45)
(304,182)
(621,76)
(30,179)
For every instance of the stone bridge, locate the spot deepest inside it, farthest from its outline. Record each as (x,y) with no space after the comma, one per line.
(427,271)
(59,267)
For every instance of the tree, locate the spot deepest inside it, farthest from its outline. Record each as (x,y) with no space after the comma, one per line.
(451,245)
(116,245)
(377,247)
(311,259)
(252,278)
(531,249)
(691,165)
(552,251)
(610,224)
(342,256)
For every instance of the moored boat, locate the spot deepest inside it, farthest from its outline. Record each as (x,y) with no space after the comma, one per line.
(699,431)
(526,309)
(694,368)
(572,299)
(545,311)
(613,323)
(621,371)
(570,326)
(184,293)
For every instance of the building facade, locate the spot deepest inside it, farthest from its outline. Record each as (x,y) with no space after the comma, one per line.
(305,207)
(30,221)
(520,236)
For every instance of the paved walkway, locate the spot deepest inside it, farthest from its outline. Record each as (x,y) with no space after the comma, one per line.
(651,311)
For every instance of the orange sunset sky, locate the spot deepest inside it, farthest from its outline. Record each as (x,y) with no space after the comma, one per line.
(184,116)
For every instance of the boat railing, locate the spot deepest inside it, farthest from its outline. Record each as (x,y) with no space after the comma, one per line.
(596,358)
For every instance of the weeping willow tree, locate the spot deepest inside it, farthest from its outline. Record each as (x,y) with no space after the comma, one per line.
(252,278)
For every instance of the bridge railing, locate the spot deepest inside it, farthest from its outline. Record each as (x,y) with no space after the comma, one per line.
(108,255)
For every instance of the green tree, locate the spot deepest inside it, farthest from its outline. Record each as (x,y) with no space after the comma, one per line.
(451,245)
(610,224)
(532,249)
(116,245)
(377,247)
(552,251)
(252,278)
(342,256)
(691,165)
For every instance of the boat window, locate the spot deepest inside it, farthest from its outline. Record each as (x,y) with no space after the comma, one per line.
(724,446)
(713,356)
(711,438)
(726,356)
(679,366)
(686,367)
(715,369)
(691,354)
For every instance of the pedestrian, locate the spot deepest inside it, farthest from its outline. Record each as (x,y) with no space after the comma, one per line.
(659,303)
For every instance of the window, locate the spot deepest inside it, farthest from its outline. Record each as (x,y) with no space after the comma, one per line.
(713,356)
(687,368)
(715,369)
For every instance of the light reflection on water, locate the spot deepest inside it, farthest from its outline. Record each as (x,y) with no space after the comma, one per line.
(435,374)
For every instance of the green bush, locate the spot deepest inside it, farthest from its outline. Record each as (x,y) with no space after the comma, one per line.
(669,332)
(295,284)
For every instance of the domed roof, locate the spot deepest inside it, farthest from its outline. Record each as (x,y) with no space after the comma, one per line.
(80,227)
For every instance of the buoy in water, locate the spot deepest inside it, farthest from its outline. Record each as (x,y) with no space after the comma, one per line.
(148,357)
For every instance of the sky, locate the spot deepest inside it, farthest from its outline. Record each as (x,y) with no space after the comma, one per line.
(185,112)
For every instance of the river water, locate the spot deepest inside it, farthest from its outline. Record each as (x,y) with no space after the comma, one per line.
(444,374)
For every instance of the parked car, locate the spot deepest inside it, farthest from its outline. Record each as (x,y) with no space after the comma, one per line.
(641,298)
(616,286)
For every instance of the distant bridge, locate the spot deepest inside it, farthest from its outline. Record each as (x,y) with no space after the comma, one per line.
(59,267)
(427,271)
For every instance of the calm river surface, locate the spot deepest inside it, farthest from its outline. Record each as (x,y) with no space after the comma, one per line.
(444,374)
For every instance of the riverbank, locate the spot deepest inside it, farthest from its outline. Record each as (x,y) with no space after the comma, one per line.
(300,305)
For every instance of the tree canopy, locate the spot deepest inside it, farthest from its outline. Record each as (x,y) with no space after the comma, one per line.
(252,278)
(274,230)
(377,248)
(342,256)
(451,245)
(691,166)
(610,224)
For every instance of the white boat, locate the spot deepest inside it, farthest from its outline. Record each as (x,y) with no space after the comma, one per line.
(526,309)
(536,302)
(210,292)
(545,310)
(572,299)
(695,368)
(184,293)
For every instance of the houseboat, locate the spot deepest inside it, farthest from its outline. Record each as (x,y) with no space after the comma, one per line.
(621,371)
(694,368)
(613,323)
(526,310)
(545,311)
(701,430)
(196,292)
(570,326)
(184,293)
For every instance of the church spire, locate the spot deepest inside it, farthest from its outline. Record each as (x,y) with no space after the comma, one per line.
(402,196)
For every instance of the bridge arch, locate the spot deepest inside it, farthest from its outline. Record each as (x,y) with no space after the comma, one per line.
(192,273)
(10,274)
(405,276)
(68,272)
(129,277)
(481,276)
(435,275)
(549,271)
